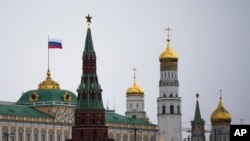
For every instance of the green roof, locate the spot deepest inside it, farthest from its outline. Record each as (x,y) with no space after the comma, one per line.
(20,110)
(117,118)
(89,47)
(47,95)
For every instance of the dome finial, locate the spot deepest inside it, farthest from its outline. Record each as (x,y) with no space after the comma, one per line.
(168,29)
(134,69)
(88,20)
(48,83)
(197,96)
(135,89)
(221,93)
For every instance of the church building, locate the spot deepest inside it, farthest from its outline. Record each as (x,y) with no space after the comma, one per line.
(169,102)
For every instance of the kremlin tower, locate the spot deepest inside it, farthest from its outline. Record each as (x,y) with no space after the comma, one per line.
(198,129)
(169,102)
(89,112)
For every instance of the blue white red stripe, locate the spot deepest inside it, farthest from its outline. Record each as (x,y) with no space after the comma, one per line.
(54,43)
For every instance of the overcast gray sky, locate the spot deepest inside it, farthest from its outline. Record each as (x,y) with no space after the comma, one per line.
(210,37)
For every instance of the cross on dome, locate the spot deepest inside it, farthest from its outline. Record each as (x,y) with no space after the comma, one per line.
(168,29)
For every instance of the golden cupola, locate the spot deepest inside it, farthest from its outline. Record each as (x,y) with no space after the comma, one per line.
(48,83)
(220,116)
(169,55)
(135,89)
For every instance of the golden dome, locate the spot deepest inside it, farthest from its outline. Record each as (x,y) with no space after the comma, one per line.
(48,83)
(220,116)
(135,89)
(169,54)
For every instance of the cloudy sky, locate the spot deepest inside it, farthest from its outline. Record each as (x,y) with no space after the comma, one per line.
(211,39)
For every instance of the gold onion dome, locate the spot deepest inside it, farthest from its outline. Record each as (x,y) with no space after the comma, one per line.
(169,54)
(48,83)
(135,89)
(220,116)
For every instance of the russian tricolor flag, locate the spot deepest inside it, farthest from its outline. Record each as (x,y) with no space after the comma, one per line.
(54,43)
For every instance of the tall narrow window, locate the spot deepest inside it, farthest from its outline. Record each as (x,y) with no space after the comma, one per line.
(171,109)
(163,109)
(178,109)
(20,136)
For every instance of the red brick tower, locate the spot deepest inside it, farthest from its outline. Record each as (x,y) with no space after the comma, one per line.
(89,112)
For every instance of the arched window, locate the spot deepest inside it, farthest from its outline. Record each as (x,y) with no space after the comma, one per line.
(163,109)
(164,95)
(178,109)
(171,109)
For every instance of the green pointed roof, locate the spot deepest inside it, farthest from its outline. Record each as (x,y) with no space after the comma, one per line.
(198,121)
(197,115)
(89,47)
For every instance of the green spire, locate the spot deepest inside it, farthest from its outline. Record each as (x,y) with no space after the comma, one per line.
(198,121)
(197,116)
(89,90)
(89,47)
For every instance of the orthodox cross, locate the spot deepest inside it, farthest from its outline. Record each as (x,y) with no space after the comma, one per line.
(168,29)
(221,93)
(134,69)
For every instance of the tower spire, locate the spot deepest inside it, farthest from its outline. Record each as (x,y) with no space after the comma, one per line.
(88,20)
(198,123)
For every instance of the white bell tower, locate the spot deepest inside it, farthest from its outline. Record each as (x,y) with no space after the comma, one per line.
(169,102)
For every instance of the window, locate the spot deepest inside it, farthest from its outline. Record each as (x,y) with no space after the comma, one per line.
(43,137)
(50,137)
(28,136)
(171,95)
(58,137)
(171,109)
(20,136)
(178,109)
(164,95)
(35,137)
(163,109)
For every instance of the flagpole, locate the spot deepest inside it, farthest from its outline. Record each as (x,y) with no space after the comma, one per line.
(48,52)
